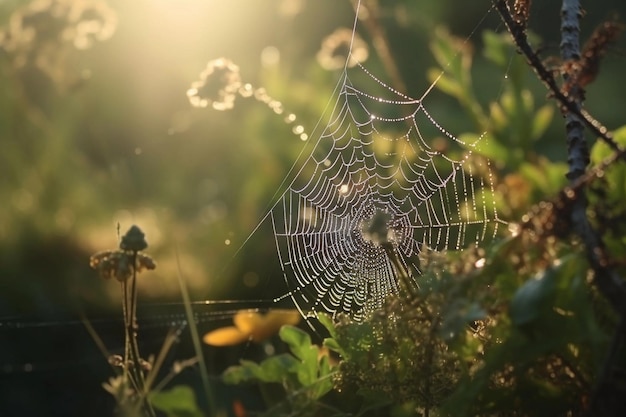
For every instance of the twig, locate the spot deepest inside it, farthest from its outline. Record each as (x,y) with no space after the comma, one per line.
(608,281)
(577,150)
(131,325)
(610,284)
(520,38)
(136,367)
(129,362)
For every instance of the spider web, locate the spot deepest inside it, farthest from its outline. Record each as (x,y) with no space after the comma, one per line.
(378,184)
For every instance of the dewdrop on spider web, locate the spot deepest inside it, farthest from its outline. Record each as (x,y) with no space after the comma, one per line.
(382,186)
(220,84)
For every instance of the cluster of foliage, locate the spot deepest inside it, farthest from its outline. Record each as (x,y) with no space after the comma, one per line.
(516,328)
(522,335)
(304,375)
(513,329)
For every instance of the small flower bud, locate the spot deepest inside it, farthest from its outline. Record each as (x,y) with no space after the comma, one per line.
(134,240)
(116,360)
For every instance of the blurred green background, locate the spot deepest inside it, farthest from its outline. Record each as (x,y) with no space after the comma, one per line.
(96,130)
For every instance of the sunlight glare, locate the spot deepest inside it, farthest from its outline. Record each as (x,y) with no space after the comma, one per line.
(270,56)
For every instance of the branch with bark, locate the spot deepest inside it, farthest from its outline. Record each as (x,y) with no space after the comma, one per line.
(517,29)
(578,71)
(610,284)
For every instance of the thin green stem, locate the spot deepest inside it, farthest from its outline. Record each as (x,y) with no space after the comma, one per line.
(170,339)
(195,337)
(130,371)
(126,333)
(132,328)
(168,378)
(132,322)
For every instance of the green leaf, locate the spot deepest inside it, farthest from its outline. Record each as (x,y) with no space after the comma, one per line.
(277,368)
(445,83)
(372,400)
(497,48)
(487,146)
(323,384)
(408,409)
(245,372)
(333,345)
(307,370)
(527,102)
(498,117)
(298,340)
(533,298)
(614,177)
(601,150)
(328,323)
(460,313)
(274,369)
(451,54)
(555,178)
(300,344)
(180,401)
(549,177)
(541,121)
(331,342)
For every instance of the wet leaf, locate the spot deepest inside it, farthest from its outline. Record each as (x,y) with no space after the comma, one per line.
(541,121)
(488,147)
(533,298)
(445,83)
(274,369)
(300,344)
(180,401)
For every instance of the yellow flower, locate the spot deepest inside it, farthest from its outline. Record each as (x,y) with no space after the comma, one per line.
(252,326)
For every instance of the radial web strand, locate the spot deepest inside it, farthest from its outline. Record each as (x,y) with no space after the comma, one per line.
(379,178)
